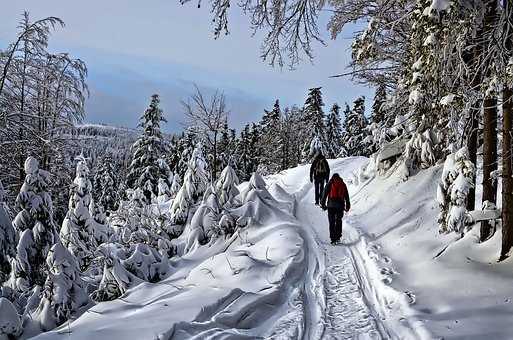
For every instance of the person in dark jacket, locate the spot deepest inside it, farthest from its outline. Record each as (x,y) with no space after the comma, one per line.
(335,198)
(319,175)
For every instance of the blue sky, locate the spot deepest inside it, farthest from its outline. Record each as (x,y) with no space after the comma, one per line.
(135,48)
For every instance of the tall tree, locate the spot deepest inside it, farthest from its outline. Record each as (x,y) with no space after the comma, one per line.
(507,150)
(314,120)
(7,239)
(489,128)
(144,171)
(334,132)
(270,141)
(35,226)
(355,132)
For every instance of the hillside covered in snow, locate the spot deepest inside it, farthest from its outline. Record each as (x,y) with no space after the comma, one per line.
(278,278)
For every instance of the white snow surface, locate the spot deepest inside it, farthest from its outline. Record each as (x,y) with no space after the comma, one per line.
(279,278)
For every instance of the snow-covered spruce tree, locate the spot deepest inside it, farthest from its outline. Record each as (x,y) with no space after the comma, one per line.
(106,191)
(164,191)
(144,171)
(184,149)
(175,186)
(354,137)
(333,132)
(116,279)
(64,291)
(420,151)
(314,119)
(10,324)
(227,147)
(77,232)
(378,104)
(7,239)
(453,189)
(36,229)
(270,141)
(194,184)
(101,229)
(226,186)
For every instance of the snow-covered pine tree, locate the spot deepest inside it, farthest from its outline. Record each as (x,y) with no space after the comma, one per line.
(453,189)
(245,154)
(175,186)
(314,119)
(64,291)
(270,141)
(194,184)
(106,191)
(7,239)
(77,232)
(333,132)
(144,171)
(226,186)
(227,147)
(101,229)
(378,105)
(185,148)
(354,137)
(35,227)
(164,191)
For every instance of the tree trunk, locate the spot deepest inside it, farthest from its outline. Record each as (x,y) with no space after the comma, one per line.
(507,180)
(489,159)
(489,124)
(472,151)
(214,167)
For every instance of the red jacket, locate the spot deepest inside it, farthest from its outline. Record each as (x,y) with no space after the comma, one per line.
(341,199)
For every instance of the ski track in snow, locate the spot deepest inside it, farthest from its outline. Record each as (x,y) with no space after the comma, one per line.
(349,307)
(346,314)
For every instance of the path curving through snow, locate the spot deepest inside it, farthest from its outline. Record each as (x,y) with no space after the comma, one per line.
(348,296)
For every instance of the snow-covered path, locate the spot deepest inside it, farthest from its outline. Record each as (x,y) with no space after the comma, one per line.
(346,314)
(353,300)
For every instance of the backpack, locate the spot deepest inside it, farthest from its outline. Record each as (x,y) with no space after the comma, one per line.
(337,189)
(320,167)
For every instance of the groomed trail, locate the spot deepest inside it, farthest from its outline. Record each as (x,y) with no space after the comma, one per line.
(348,283)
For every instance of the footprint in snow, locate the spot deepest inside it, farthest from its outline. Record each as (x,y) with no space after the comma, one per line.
(375,246)
(387,271)
(412,298)
(387,280)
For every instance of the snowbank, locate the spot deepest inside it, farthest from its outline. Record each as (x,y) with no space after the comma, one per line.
(456,287)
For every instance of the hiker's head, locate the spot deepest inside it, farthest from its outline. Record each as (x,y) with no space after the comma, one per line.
(336,176)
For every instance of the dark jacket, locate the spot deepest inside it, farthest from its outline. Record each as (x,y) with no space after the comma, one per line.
(319,176)
(338,203)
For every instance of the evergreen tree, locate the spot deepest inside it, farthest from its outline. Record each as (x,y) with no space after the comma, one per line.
(7,239)
(245,154)
(77,232)
(314,121)
(270,141)
(378,110)
(226,186)
(64,291)
(144,171)
(194,184)
(34,223)
(334,132)
(354,137)
(106,188)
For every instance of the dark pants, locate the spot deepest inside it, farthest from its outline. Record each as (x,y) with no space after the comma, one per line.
(335,219)
(319,188)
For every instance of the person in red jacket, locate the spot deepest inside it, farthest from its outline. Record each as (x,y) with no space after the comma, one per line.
(335,199)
